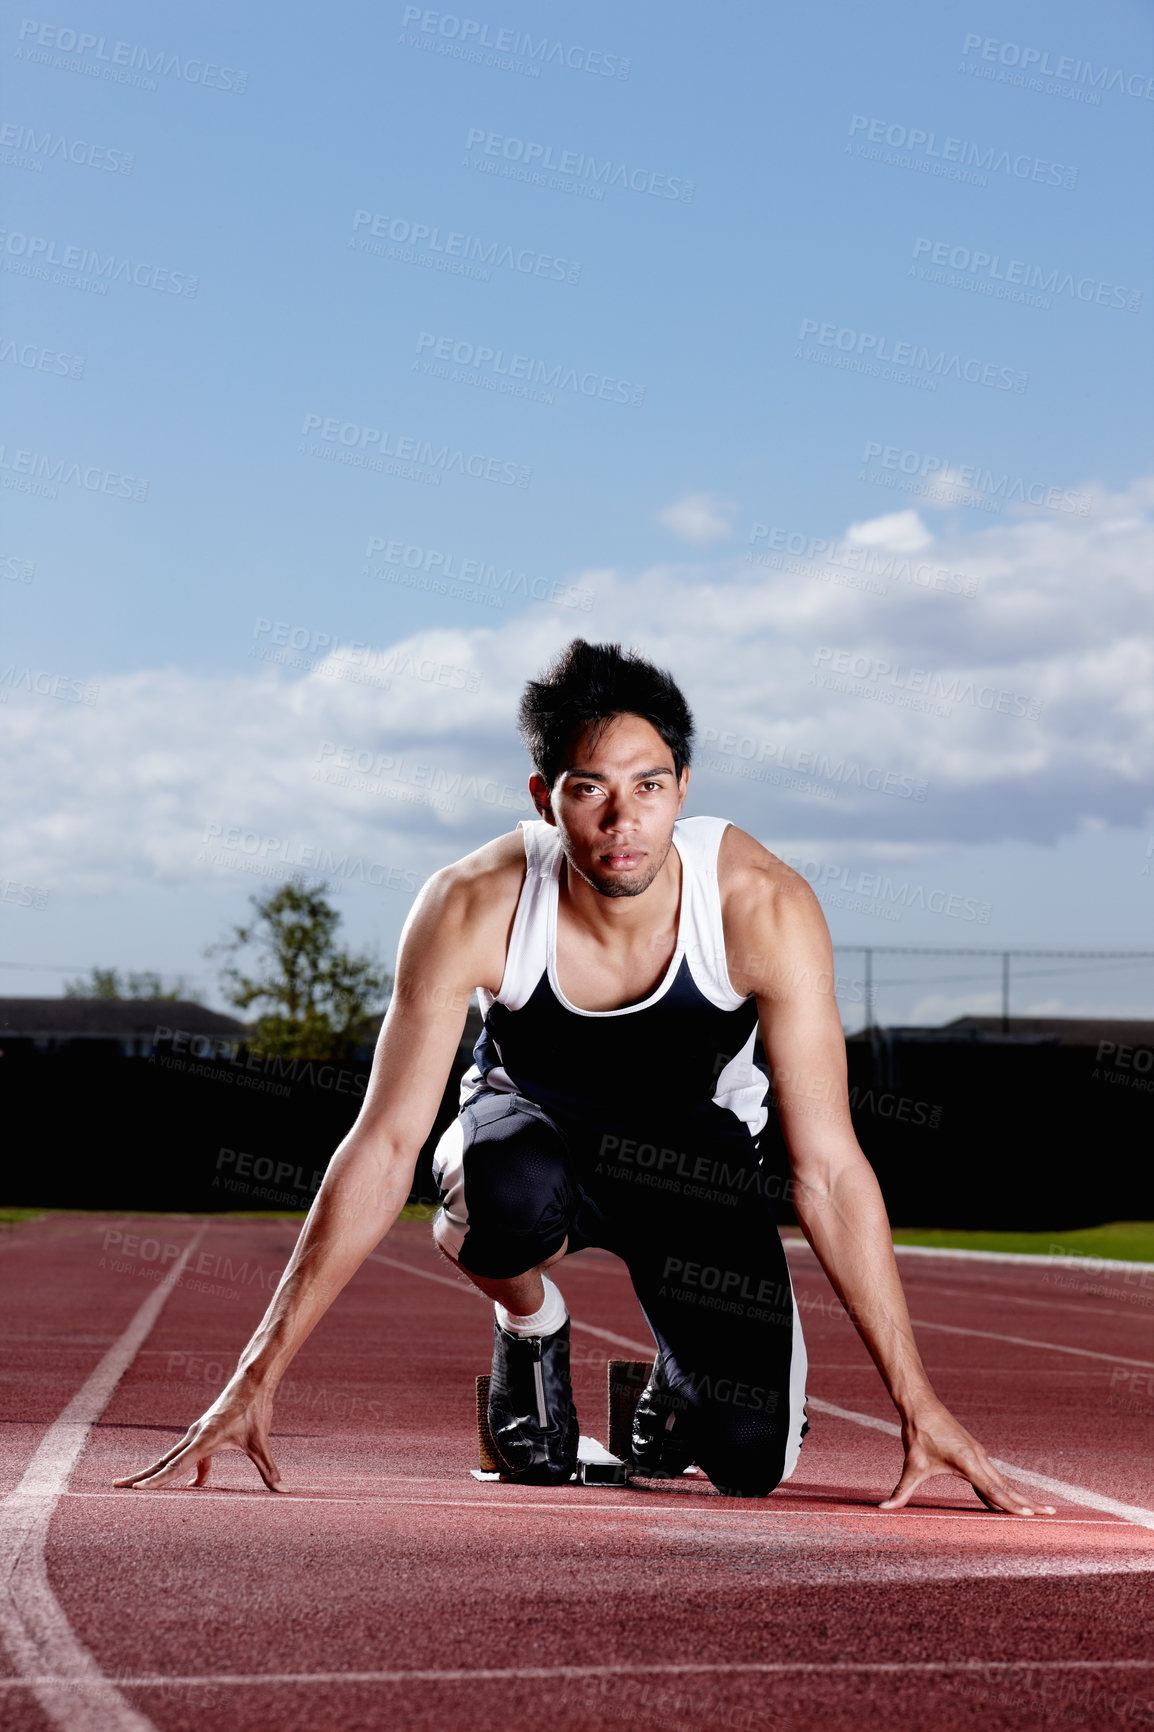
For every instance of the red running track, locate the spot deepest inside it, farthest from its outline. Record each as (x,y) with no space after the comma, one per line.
(388,1588)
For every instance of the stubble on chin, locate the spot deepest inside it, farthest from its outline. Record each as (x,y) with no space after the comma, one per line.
(614,886)
(618,887)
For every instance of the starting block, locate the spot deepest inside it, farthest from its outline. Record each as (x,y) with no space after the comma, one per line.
(626,1378)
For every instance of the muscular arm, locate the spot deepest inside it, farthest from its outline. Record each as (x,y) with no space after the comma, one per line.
(453,941)
(780,950)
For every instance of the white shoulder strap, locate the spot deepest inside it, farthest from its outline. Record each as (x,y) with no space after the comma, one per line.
(702,931)
(528,942)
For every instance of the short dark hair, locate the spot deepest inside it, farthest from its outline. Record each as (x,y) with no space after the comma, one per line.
(593,682)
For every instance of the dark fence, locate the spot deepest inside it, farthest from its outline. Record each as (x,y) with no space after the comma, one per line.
(175,1131)
(961,1133)
(1011,1134)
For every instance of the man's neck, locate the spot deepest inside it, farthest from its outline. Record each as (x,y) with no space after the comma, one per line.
(625,922)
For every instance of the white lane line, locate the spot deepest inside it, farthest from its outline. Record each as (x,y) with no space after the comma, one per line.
(993,1297)
(1077,1262)
(467,1288)
(459,1283)
(767,1519)
(1143,1518)
(686,1668)
(1021,1341)
(462,1286)
(1075,1494)
(34,1629)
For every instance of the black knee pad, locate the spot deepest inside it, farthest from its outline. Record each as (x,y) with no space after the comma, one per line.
(518,1189)
(742,1452)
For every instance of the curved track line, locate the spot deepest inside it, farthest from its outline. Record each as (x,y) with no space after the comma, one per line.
(1074,1494)
(546,1674)
(1077,1262)
(1129,1512)
(979,1295)
(1020,1341)
(54,1664)
(651,1512)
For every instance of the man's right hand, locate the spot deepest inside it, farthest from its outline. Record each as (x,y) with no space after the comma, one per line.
(239,1419)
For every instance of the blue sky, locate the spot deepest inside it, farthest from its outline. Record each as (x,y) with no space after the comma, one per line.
(836,400)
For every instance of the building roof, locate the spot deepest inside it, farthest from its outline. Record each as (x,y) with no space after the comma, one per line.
(1028,1030)
(111,1019)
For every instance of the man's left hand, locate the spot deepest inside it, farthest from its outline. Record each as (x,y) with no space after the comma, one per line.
(935,1443)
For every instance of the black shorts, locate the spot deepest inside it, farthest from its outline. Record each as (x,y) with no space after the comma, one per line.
(685,1206)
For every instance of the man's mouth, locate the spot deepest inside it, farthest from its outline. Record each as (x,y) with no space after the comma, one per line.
(621,858)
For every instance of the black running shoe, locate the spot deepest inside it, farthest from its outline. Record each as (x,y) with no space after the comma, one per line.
(656,1450)
(531,1413)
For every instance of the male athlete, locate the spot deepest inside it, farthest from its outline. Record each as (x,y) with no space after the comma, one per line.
(625,959)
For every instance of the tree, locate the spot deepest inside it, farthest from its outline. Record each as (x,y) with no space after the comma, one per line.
(110,983)
(319,998)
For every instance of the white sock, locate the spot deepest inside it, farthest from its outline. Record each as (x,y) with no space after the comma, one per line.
(546,1321)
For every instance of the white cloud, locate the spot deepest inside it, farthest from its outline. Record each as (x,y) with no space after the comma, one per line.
(904,531)
(699,518)
(935,1008)
(125,790)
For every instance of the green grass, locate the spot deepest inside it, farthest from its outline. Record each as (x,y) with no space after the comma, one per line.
(1132,1241)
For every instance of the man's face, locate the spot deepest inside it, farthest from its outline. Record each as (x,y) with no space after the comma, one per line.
(614,803)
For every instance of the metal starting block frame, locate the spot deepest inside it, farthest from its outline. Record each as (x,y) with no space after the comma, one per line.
(625,1380)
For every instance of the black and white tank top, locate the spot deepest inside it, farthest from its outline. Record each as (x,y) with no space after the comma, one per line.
(687,1049)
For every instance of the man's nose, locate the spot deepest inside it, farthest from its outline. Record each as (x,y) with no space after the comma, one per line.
(619,816)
